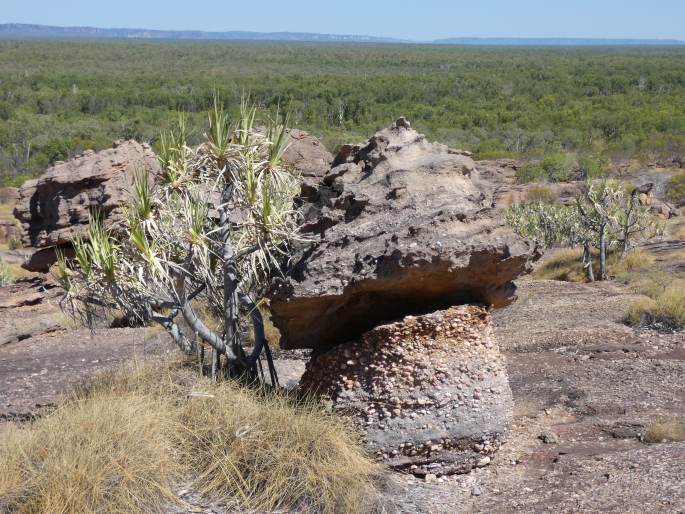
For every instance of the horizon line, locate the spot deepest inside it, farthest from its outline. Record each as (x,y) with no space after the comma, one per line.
(273,35)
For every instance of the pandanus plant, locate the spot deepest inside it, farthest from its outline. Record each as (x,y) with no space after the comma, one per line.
(602,218)
(208,232)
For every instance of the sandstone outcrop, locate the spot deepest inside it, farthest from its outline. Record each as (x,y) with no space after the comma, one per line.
(430,393)
(307,154)
(54,208)
(28,308)
(500,177)
(398,226)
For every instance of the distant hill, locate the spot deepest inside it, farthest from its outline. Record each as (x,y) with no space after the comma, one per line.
(20,30)
(509,41)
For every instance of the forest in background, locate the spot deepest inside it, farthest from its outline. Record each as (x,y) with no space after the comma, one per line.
(553,105)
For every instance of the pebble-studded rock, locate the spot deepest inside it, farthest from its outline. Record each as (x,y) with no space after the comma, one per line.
(430,393)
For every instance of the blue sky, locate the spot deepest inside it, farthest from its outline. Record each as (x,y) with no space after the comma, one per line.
(426,19)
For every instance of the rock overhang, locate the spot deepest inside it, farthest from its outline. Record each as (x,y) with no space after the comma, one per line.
(397,227)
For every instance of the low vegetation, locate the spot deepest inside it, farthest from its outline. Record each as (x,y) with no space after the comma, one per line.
(539,193)
(101,453)
(605,218)
(565,264)
(7,275)
(663,304)
(562,167)
(662,294)
(665,430)
(127,441)
(676,228)
(58,98)
(675,189)
(184,251)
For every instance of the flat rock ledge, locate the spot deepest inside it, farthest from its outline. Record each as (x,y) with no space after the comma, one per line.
(429,393)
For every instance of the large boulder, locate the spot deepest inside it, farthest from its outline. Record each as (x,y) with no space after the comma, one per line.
(429,393)
(54,208)
(397,227)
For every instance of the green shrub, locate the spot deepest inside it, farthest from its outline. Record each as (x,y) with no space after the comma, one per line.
(592,167)
(675,190)
(6,274)
(551,168)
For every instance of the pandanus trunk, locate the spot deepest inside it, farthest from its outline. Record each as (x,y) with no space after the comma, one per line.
(230,273)
(587,263)
(602,253)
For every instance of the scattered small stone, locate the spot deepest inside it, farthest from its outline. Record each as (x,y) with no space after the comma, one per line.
(483,462)
(548,438)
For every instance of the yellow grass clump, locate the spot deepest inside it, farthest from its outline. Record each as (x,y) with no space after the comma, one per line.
(663,304)
(563,264)
(636,259)
(99,454)
(122,443)
(259,452)
(665,430)
(540,193)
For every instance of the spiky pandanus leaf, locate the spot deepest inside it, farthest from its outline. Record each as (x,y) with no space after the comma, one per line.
(174,248)
(278,135)
(219,135)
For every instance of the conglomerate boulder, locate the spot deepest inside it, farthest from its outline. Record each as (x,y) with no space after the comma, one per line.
(54,208)
(396,227)
(429,393)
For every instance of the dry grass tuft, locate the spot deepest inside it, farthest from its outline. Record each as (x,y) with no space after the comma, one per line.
(11,271)
(262,453)
(7,275)
(104,453)
(663,294)
(663,303)
(563,264)
(540,193)
(636,259)
(121,443)
(668,430)
(676,228)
